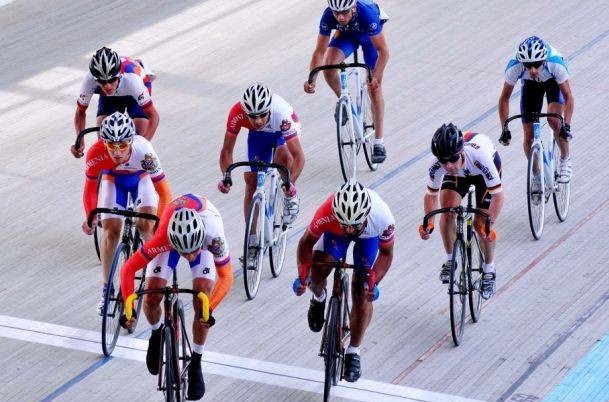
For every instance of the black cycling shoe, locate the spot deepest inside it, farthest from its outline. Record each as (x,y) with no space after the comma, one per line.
(152,354)
(379,154)
(122,320)
(315,315)
(196,384)
(353,367)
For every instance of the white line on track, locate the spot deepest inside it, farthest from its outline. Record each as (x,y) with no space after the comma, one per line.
(221,364)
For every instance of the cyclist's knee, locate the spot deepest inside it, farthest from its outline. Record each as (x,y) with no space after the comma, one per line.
(152,301)
(145,227)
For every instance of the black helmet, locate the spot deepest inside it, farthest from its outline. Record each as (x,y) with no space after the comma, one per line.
(447,141)
(105,64)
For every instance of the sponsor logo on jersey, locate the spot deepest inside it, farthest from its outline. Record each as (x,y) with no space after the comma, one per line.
(150,163)
(324,26)
(97,159)
(157,250)
(323,220)
(285,125)
(388,233)
(373,26)
(141,97)
(484,169)
(217,247)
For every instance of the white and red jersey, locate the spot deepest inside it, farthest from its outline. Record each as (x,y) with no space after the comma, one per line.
(134,81)
(379,223)
(478,160)
(282,120)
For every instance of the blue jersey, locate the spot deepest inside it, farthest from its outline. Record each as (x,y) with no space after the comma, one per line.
(367,20)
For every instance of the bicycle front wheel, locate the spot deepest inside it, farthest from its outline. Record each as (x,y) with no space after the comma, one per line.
(562,191)
(368,129)
(97,237)
(347,149)
(183,347)
(170,380)
(140,279)
(253,247)
(457,291)
(535,191)
(280,236)
(475,262)
(113,302)
(331,351)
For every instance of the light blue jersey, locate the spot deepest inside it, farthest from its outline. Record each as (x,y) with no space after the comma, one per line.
(555,67)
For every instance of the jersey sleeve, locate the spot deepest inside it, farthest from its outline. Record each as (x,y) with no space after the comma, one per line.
(370,21)
(435,174)
(235,120)
(137,89)
(327,22)
(87,89)
(558,69)
(485,163)
(215,239)
(323,216)
(513,71)
(150,161)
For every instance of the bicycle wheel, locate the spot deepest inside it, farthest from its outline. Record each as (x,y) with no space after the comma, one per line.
(113,302)
(253,251)
(475,261)
(97,236)
(170,379)
(140,280)
(535,191)
(562,191)
(280,236)
(183,347)
(368,129)
(346,145)
(331,350)
(457,290)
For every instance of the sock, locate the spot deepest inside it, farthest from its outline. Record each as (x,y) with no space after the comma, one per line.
(156,326)
(198,348)
(352,349)
(489,267)
(567,159)
(379,141)
(449,256)
(320,298)
(252,239)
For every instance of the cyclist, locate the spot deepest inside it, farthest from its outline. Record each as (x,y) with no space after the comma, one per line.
(356,23)
(274,135)
(122,83)
(128,165)
(460,160)
(353,214)
(542,70)
(190,227)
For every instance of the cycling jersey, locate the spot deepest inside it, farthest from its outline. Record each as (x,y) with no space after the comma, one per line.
(479,159)
(554,68)
(367,20)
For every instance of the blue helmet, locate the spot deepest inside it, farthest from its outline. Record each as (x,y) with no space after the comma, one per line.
(531,50)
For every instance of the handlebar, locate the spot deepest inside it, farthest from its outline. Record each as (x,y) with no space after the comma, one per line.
(534,116)
(126,213)
(80,135)
(168,291)
(228,181)
(460,210)
(341,67)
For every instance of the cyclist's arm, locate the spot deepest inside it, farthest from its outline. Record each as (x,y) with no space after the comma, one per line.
(226,154)
(164,191)
(496,203)
(383,261)
(136,262)
(80,118)
(153,121)
(565,88)
(89,195)
(504,102)
(380,44)
(430,202)
(304,253)
(295,148)
(223,284)
(320,50)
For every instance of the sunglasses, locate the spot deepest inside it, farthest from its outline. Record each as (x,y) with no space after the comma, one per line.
(258,116)
(451,159)
(354,228)
(535,64)
(110,81)
(117,146)
(344,12)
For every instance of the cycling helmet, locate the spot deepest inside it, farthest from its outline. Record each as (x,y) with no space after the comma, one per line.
(351,203)
(447,141)
(531,50)
(117,127)
(341,5)
(186,230)
(256,99)
(105,64)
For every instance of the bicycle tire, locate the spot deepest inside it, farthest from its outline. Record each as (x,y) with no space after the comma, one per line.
(536,196)
(475,261)
(170,368)
(97,235)
(280,236)
(562,191)
(347,152)
(457,289)
(113,302)
(331,348)
(184,347)
(367,127)
(252,270)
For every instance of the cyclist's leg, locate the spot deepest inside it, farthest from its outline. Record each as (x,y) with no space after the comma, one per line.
(147,200)
(451,193)
(531,100)
(365,252)
(376,96)
(112,194)
(556,104)
(483,202)
(341,46)
(259,148)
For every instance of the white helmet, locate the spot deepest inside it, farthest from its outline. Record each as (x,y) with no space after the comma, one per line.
(118,127)
(256,99)
(105,64)
(351,204)
(186,230)
(531,50)
(341,5)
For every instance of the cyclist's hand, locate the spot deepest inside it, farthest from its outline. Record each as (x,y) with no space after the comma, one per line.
(222,187)
(210,322)
(78,152)
(374,84)
(298,287)
(373,294)
(506,137)
(565,132)
(87,229)
(309,87)
(492,235)
(425,233)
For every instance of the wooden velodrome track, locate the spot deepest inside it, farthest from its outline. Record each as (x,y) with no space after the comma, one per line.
(446,64)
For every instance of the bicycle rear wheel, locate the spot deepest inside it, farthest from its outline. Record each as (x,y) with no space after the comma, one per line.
(535,191)
(368,129)
(347,151)
(457,290)
(562,191)
(169,370)
(475,261)
(280,235)
(113,302)
(331,360)
(253,251)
